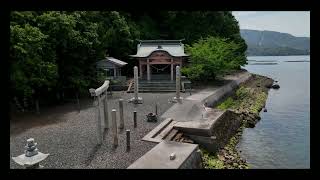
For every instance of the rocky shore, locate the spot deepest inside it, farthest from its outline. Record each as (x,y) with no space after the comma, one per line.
(246,103)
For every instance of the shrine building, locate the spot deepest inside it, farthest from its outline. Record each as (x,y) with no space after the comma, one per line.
(158,59)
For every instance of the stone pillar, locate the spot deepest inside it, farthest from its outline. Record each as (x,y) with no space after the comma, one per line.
(121,113)
(99,134)
(171,69)
(156,109)
(136,82)
(178,83)
(148,70)
(136,99)
(115,128)
(106,118)
(135,119)
(128,139)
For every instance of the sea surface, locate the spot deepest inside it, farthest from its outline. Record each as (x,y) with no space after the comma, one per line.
(281,139)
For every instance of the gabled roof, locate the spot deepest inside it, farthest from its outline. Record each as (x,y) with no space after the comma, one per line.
(147,47)
(113,61)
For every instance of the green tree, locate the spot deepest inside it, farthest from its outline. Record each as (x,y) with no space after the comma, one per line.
(73,41)
(30,74)
(213,56)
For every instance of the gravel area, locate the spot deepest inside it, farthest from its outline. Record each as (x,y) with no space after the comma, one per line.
(70,136)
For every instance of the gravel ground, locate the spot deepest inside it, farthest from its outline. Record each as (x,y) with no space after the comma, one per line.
(70,136)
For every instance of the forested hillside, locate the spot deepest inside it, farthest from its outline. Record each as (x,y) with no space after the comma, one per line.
(274,43)
(54,52)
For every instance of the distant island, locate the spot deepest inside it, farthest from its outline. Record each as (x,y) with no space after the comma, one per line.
(271,43)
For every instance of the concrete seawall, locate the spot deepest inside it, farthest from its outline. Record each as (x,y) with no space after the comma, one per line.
(225,91)
(195,107)
(196,118)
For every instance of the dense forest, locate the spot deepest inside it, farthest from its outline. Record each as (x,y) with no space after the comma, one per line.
(54,52)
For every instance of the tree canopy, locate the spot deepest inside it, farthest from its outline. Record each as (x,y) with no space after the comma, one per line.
(51,51)
(213,56)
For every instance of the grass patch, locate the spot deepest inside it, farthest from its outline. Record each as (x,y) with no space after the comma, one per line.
(211,161)
(250,99)
(228,103)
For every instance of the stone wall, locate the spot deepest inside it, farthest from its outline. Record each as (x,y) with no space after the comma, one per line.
(225,128)
(222,130)
(194,161)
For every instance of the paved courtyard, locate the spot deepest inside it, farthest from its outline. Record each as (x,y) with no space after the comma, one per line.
(70,136)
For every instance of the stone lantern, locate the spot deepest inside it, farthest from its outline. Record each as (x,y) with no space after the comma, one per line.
(32,157)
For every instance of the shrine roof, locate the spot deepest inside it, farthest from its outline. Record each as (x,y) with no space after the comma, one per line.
(113,61)
(147,47)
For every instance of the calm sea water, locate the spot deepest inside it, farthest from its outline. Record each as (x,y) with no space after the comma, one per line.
(281,139)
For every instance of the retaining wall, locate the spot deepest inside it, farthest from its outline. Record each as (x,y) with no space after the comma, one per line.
(195,117)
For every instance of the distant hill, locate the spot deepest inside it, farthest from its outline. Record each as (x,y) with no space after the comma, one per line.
(264,43)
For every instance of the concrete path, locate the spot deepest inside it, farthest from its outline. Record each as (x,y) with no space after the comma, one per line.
(195,106)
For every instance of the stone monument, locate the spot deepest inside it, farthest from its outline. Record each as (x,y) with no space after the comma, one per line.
(178,98)
(136,99)
(32,157)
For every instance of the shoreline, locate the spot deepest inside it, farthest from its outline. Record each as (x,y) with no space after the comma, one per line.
(246,104)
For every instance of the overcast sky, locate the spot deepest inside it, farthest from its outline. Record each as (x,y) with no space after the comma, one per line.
(296,23)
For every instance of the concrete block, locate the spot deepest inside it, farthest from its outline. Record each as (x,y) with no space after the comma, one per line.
(209,143)
(186,111)
(160,157)
(202,127)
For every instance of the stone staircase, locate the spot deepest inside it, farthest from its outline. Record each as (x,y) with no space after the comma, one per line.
(154,86)
(157,86)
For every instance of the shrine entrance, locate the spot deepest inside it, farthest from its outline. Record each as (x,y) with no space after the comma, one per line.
(157,72)
(159,66)
(160,71)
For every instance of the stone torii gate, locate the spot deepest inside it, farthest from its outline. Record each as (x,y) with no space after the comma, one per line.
(100,96)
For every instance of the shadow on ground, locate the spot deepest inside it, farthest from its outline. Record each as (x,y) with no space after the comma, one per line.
(22,121)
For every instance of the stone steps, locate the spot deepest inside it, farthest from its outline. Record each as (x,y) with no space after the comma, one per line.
(155,86)
(172,134)
(157,82)
(151,90)
(160,132)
